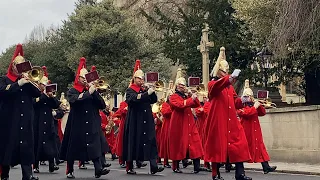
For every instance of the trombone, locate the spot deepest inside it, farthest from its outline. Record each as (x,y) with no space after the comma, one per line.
(34,75)
(102,84)
(158,85)
(266,103)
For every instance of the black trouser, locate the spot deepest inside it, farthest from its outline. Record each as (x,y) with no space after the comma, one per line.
(239,169)
(26,172)
(103,159)
(51,163)
(96,163)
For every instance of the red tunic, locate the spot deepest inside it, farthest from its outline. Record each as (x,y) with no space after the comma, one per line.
(111,139)
(60,133)
(158,127)
(166,114)
(183,133)
(224,133)
(201,117)
(251,125)
(121,113)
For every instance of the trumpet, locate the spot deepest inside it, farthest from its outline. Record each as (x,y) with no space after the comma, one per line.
(158,85)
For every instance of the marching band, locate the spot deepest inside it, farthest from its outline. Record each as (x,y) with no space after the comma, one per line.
(213,128)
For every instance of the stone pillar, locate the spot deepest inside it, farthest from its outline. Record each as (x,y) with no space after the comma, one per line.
(204,49)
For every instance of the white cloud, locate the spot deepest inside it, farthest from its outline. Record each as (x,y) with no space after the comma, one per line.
(19,17)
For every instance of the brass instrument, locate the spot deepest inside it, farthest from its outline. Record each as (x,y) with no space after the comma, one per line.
(110,125)
(267,103)
(102,84)
(158,85)
(34,75)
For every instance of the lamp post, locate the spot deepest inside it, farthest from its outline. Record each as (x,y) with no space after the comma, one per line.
(265,54)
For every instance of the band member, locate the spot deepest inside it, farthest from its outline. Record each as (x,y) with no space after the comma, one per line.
(184,139)
(250,122)
(158,125)
(121,113)
(139,141)
(225,137)
(57,115)
(82,137)
(108,131)
(44,130)
(16,114)
(201,118)
(107,124)
(166,114)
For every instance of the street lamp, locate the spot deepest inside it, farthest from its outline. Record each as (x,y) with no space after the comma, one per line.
(265,54)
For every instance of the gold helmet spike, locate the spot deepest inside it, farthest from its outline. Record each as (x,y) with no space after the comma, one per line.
(247,91)
(83,72)
(221,63)
(19,59)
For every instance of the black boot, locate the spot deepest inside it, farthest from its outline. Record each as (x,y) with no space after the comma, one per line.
(103,171)
(243,177)
(156,170)
(186,163)
(33,178)
(113,157)
(70,175)
(267,168)
(240,174)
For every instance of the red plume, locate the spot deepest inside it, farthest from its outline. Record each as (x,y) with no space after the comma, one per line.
(81,65)
(137,66)
(44,68)
(93,68)
(17,52)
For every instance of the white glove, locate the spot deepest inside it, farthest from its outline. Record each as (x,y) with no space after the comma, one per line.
(150,91)
(256,104)
(92,89)
(22,81)
(194,96)
(235,73)
(54,113)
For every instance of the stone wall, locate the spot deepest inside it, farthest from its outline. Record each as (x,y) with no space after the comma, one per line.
(292,134)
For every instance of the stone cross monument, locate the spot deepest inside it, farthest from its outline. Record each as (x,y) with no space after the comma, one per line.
(204,49)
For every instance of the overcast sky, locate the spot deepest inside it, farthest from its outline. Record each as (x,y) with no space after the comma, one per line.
(19,17)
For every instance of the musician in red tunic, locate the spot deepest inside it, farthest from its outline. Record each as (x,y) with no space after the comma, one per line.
(250,122)
(158,126)
(166,116)
(121,114)
(184,139)
(107,124)
(225,137)
(201,118)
